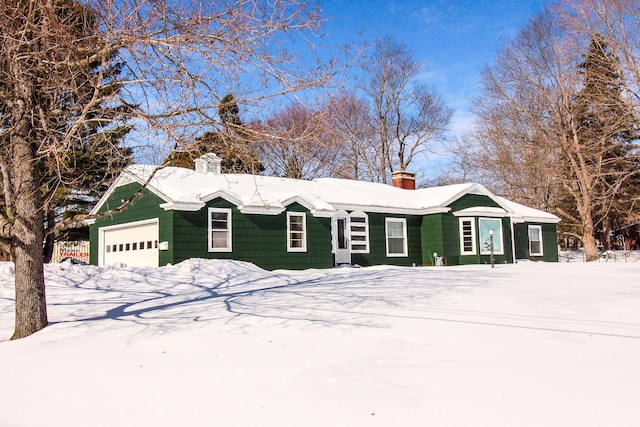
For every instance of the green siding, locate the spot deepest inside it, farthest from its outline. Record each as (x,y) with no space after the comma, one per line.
(432,238)
(378,246)
(145,207)
(260,239)
(549,242)
(472,200)
(447,241)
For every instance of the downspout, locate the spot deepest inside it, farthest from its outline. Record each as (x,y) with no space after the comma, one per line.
(513,240)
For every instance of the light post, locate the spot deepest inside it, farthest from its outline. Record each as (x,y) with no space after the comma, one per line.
(491,258)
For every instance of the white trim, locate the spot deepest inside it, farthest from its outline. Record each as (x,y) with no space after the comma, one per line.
(303,247)
(472,221)
(178,206)
(229,230)
(482,211)
(531,253)
(478,189)
(260,210)
(342,256)
(365,233)
(497,234)
(102,230)
(522,219)
(392,210)
(129,176)
(402,221)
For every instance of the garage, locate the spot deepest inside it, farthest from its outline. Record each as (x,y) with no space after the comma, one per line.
(133,244)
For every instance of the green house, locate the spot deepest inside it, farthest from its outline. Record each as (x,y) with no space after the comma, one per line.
(293,224)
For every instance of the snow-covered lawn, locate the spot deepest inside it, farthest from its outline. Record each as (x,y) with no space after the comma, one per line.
(222,343)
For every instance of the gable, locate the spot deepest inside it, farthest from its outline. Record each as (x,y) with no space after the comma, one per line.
(472,201)
(147,202)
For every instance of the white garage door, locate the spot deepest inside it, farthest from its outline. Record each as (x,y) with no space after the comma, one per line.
(134,244)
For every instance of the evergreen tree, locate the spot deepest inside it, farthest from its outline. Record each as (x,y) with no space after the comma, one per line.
(231,144)
(608,125)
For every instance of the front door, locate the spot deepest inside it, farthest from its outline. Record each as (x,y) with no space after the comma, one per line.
(341,239)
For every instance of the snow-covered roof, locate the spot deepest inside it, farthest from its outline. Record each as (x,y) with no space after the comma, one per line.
(186,189)
(527,214)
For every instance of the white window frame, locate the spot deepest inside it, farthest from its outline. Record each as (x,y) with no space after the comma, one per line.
(497,237)
(359,233)
(229,246)
(472,222)
(303,247)
(539,228)
(402,221)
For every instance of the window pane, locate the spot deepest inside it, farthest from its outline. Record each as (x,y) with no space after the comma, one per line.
(219,239)
(219,220)
(394,229)
(535,247)
(396,246)
(467,236)
(534,233)
(295,223)
(359,232)
(486,225)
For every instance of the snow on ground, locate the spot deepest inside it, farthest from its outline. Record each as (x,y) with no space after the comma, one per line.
(225,343)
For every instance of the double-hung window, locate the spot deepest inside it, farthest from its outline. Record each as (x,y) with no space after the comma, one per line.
(396,232)
(296,232)
(467,236)
(359,232)
(535,240)
(219,230)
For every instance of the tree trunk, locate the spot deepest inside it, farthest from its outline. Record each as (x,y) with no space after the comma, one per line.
(50,240)
(588,238)
(26,247)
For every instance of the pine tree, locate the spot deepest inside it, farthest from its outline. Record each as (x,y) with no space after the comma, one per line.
(608,125)
(231,144)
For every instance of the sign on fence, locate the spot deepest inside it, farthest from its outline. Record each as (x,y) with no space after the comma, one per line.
(75,250)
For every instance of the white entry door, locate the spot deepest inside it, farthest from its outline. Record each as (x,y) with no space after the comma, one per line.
(133,244)
(340,229)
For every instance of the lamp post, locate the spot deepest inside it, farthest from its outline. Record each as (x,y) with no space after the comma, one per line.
(491,258)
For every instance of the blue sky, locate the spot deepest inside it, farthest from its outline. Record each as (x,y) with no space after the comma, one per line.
(454,38)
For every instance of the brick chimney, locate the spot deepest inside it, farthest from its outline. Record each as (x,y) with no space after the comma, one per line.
(404,179)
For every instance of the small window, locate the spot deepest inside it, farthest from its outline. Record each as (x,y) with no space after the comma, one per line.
(108,248)
(134,246)
(127,247)
(359,232)
(396,232)
(219,230)
(141,245)
(490,232)
(467,236)
(121,247)
(296,232)
(535,240)
(149,244)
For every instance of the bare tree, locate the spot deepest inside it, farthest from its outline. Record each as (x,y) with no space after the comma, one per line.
(532,137)
(296,143)
(178,57)
(349,116)
(408,116)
